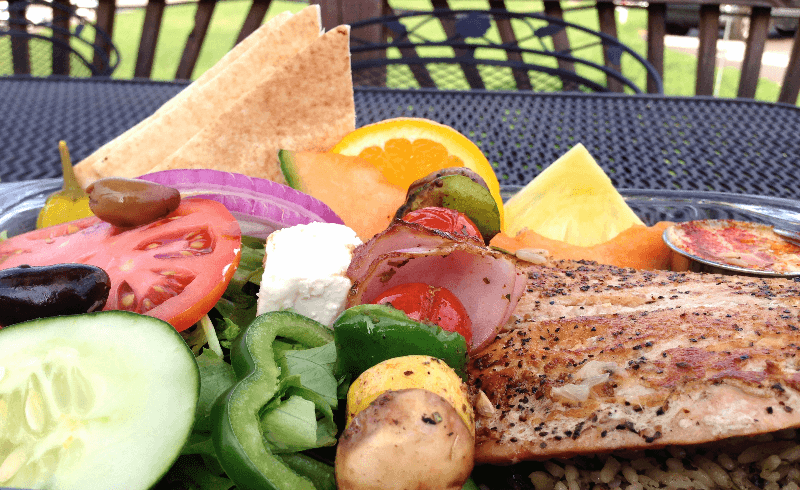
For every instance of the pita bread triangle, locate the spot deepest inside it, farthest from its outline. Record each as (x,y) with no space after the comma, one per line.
(275,24)
(255,58)
(305,105)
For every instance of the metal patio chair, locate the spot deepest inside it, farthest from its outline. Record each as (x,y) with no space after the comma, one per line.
(496,50)
(63,43)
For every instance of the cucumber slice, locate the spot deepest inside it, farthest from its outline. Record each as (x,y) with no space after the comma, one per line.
(103,400)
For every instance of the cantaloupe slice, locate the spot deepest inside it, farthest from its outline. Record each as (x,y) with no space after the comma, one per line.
(640,247)
(573,201)
(354,188)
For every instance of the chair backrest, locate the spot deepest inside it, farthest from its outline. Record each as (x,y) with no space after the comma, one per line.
(154,11)
(335,12)
(708,28)
(44,38)
(494,49)
(757,13)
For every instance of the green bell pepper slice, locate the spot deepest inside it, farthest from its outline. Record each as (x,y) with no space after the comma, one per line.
(320,473)
(366,335)
(235,417)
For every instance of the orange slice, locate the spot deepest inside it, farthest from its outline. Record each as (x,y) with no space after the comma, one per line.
(406,149)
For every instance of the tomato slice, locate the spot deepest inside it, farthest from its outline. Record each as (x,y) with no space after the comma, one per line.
(444,219)
(429,304)
(175,269)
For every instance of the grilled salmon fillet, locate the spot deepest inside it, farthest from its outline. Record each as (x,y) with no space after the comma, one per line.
(598,358)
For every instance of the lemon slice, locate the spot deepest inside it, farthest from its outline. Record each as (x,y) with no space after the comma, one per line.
(573,201)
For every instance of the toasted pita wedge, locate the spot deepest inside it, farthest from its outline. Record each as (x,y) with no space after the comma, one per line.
(306,105)
(84,170)
(251,48)
(254,40)
(172,125)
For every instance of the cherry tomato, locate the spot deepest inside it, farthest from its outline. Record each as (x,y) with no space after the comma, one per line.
(429,304)
(445,219)
(175,269)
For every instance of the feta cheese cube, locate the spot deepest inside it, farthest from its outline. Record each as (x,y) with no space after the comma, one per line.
(305,270)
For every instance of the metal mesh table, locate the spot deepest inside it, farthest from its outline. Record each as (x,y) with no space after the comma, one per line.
(641,141)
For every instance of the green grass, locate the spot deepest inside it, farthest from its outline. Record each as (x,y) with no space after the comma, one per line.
(679,68)
(175,28)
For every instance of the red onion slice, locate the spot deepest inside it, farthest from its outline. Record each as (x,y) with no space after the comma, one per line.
(260,205)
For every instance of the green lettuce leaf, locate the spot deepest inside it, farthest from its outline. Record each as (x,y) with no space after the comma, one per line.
(216,377)
(315,368)
(238,303)
(321,419)
(291,426)
(227,333)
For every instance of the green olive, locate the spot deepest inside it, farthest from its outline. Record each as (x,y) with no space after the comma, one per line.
(131,202)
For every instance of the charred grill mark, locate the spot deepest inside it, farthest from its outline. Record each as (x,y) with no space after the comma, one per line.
(654,437)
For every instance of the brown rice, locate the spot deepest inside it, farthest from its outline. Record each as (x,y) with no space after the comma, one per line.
(765,462)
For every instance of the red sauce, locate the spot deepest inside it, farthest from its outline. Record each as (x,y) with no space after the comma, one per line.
(736,243)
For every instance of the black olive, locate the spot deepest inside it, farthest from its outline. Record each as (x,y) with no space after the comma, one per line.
(27,293)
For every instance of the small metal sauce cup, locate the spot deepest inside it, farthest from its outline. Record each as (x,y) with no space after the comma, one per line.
(703,264)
